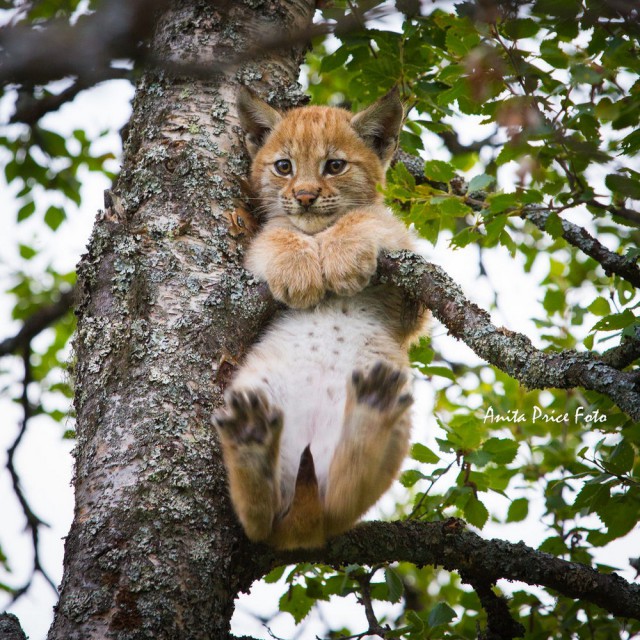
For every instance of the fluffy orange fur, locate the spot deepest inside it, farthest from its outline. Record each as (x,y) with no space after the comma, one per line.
(316,423)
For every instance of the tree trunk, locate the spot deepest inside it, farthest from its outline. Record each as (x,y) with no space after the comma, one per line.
(154,550)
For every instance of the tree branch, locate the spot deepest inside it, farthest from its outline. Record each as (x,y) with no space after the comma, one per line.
(500,624)
(448,545)
(37,322)
(623,355)
(511,352)
(33,521)
(10,628)
(612,263)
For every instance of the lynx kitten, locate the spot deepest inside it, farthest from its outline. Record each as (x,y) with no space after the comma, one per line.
(316,426)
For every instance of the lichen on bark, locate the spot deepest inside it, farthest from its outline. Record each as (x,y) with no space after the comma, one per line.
(154,550)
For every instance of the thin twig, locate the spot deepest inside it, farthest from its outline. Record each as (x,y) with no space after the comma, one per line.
(33,521)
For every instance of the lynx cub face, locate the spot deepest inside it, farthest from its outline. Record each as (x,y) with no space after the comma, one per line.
(313,164)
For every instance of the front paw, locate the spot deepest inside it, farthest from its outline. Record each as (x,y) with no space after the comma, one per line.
(347,265)
(295,278)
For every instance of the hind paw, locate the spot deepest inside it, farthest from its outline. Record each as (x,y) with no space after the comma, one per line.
(248,418)
(381,389)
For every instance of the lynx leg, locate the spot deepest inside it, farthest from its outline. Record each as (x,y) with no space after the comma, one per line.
(374,442)
(303,525)
(249,430)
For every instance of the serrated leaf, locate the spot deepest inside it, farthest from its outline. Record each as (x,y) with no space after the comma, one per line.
(480,182)
(615,321)
(501,450)
(475,512)
(394,584)
(442,613)
(410,477)
(592,497)
(454,207)
(421,351)
(296,602)
(423,454)
(502,201)
(518,510)
(553,225)
(623,185)
(439,171)
(622,457)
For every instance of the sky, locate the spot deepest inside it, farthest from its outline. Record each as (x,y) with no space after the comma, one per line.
(45,462)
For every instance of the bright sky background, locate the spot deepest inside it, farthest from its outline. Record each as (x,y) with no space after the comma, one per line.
(44,461)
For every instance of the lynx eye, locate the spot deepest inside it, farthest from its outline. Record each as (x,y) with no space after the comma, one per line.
(334,166)
(283,167)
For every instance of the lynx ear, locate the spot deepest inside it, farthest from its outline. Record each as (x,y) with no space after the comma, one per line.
(379,124)
(257,119)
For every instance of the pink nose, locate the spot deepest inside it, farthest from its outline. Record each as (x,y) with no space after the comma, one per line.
(305,198)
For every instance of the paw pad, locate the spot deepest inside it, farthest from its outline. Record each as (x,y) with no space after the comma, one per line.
(248,417)
(380,387)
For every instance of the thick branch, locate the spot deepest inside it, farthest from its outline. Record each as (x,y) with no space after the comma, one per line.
(623,355)
(511,352)
(448,545)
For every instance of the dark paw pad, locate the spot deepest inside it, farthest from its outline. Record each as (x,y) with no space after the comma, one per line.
(380,387)
(248,417)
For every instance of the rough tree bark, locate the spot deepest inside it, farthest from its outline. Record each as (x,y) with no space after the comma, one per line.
(166,310)
(154,551)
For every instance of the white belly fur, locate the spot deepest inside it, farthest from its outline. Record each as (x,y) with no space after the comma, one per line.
(304,363)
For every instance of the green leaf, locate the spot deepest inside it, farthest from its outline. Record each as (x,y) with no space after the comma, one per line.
(421,351)
(275,574)
(553,225)
(442,372)
(410,477)
(454,206)
(592,497)
(394,584)
(475,512)
(296,602)
(621,460)
(502,201)
(615,321)
(54,217)
(26,210)
(551,53)
(439,171)
(623,185)
(26,252)
(521,28)
(423,454)
(501,450)
(518,510)
(480,183)
(600,307)
(442,613)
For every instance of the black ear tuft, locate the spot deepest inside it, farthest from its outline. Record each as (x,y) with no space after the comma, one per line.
(257,119)
(379,124)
